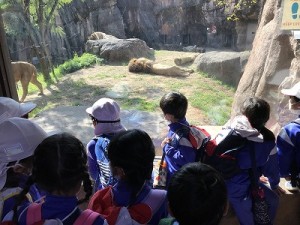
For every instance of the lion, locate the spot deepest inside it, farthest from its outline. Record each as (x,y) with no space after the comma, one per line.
(25,72)
(100,35)
(138,65)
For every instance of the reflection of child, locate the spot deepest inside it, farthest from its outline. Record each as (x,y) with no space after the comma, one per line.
(59,167)
(178,150)
(202,192)
(288,143)
(131,154)
(105,115)
(19,138)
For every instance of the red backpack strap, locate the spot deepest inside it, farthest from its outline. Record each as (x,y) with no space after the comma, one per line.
(87,217)
(155,199)
(34,213)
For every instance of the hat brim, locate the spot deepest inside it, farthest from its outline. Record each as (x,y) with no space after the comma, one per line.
(89,110)
(289,92)
(27,107)
(3,175)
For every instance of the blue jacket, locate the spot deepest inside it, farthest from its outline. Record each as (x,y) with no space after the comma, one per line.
(179,151)
(266,163)
(98,162)
(288,147)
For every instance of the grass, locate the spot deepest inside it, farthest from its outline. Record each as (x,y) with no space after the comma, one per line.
(209,96)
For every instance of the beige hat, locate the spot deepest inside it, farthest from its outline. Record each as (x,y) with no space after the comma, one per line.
(19,139)
(293,91)
(11,108)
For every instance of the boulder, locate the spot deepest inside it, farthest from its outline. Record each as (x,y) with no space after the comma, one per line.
(119,50)
(225,66)
(273,64)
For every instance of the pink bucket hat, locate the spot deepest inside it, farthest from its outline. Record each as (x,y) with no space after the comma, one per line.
(19,139)
(11,108)
(107,113)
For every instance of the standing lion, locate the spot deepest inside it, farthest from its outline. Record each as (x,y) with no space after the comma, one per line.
(25,72)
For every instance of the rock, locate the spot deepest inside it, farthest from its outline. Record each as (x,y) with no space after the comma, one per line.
(119,50)
(225,66)
(274,57)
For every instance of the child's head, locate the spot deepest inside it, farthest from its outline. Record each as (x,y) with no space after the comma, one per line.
(257,111)
(294,94)
(197,195)
(11,108)
(105,115)
(131,154)
(60,165)
(19,138)
(174,104)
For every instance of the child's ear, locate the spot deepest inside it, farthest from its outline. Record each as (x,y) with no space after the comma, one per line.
(19,169)
(118,172)
(169,210)
(226,209)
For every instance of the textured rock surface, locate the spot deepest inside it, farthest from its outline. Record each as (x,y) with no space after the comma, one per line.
(273,59)
(119,50)
(225,66)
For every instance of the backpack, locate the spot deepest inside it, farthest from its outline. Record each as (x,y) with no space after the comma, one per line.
(221,152)
(137,214)
(34,217)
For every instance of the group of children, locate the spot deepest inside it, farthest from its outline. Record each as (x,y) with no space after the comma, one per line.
(41,174)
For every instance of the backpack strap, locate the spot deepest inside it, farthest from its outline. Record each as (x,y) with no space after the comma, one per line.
(34,213)
(87,217)
(155,199)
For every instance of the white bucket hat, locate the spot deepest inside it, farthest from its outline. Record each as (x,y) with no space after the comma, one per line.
(19,139)
(293,91)
(107,113)
(11,108)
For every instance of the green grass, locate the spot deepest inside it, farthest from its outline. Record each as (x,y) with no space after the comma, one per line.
(139,104)
(214,98)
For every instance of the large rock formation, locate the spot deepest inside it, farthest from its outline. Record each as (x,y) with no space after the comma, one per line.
(223,65)
(119,50)
(275,58)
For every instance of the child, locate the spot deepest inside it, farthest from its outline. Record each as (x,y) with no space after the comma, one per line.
(19,138)
(202,191)
(251,125)
(177,149)
(105,115)
(59,167)
(11,108)
(288,144)
(131,154)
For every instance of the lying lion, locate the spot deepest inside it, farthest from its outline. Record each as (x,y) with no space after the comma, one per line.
(100,35)
(148,66)
(25,72)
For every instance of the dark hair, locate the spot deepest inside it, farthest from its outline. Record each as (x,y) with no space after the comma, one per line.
(257,111)
(59,164)
(134,152)
(197,195)
(174,103)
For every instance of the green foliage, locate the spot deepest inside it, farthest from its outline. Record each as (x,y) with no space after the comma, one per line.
(233,13)
(77,63)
